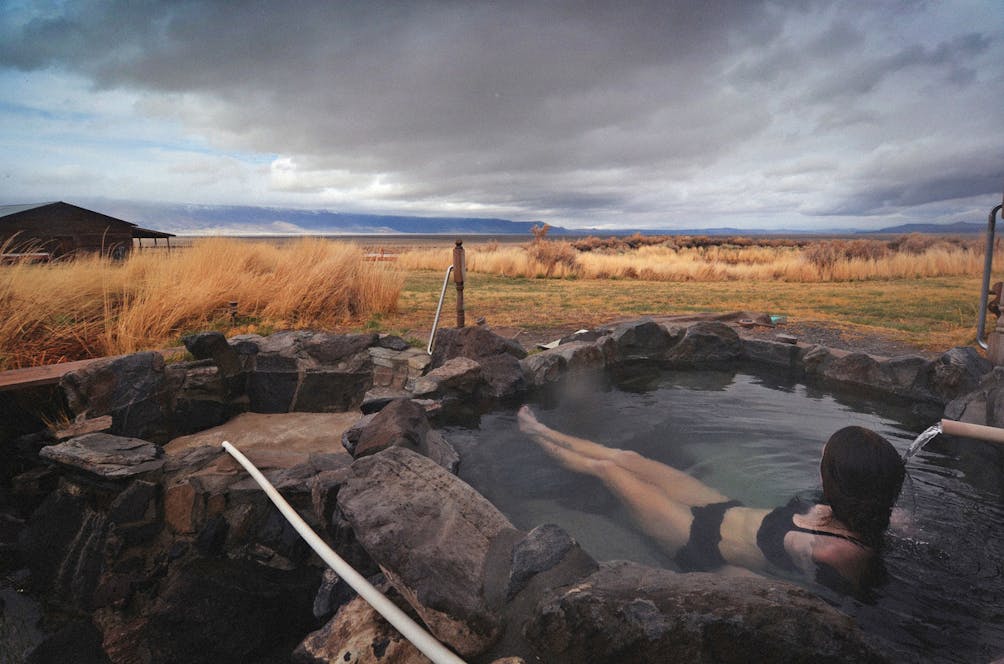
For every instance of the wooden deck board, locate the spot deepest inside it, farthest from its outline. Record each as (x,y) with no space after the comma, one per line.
(18,379)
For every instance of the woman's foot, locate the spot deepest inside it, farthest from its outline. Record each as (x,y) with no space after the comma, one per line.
(528,421)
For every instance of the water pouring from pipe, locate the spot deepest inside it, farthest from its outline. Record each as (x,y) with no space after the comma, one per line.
(953,428)
(923,439)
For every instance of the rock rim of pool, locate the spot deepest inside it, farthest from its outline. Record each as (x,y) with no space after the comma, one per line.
(174,554)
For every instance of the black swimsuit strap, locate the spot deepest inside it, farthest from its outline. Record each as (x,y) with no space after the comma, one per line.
(813,531)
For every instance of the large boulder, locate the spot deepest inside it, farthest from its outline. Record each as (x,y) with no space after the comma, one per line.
(204,397)
(307,371)
(706,343)
(497,356)
(472,342)
(543,368)
(430,533)
(627,612)
(401,423)
(774,353)
(542,549)
(133,389)
(572,357)
(458,376)
(643,339)
(503,376)
(64,546)
(956,372)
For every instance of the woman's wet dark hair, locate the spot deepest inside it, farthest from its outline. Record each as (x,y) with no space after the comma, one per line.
(862,475)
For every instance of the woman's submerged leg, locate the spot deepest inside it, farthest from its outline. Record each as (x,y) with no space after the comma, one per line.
(665,520)
(676,485)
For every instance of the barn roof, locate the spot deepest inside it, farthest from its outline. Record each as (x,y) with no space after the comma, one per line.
(149,232)
(8,210)
(14,209)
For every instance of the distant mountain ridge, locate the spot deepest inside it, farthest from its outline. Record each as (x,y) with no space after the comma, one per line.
(250,220)
(237,220)
(957,227)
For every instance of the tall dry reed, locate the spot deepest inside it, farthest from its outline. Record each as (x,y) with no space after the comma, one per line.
(93,306)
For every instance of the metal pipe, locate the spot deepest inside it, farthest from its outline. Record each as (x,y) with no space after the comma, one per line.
(988,262)
(439,309)
(408,628)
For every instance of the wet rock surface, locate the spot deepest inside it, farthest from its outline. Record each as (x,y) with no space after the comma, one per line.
(631,613)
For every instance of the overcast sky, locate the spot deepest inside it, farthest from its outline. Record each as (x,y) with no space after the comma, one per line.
(749,113)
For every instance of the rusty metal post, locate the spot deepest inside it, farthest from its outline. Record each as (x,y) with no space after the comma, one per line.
(459,272)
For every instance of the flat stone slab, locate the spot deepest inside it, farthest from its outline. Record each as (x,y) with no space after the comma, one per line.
(106,455)
(272,441)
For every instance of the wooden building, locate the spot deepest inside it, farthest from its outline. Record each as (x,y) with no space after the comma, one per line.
(60,229)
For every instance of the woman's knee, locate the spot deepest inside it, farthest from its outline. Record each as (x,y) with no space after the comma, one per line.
(625,457)
(604,469)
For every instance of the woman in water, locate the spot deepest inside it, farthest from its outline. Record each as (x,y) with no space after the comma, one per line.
(705,530)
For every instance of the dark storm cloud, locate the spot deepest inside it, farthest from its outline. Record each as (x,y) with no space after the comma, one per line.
(575,108)
(918,178)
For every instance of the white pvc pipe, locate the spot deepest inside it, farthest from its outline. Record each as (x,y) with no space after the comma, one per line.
(439,309)
(977,431)
(408,628)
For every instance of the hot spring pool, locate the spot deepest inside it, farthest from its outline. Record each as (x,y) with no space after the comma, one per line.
(759,440)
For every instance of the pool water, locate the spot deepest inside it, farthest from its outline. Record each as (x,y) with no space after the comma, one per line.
(759,440)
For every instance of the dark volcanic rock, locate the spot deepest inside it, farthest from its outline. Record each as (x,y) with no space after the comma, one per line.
(78,642)
(542,548)
(64,546)
(626,612)
(392,342)
(358,633)
(774,353)
(430,533)
(334,349)
(642,339)
(706,343)
(213,346)
(957,371)
(503,376)
(472,342)
(457,376)
(402,422)
(272,385)
(543,368)
(106,456)
(333,391)
(226,611)
(133,389)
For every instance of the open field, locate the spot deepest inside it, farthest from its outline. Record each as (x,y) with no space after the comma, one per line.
(929,313)
(918,291)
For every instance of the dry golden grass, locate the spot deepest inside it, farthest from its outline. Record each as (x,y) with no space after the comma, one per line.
(917,290)
(92,306)
(821,261)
